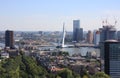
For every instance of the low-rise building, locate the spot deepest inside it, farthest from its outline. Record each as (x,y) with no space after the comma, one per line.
(4,55)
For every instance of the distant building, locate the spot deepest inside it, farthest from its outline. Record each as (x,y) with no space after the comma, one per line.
(40,32)
(9,44)
(107,32)
(85,35)
(13,52)
(110,58)
(91,54)
(4,55)
(90,37)
(9,39)
(118,35)
(30,47)
(76,28)
(81,34)
(96,37)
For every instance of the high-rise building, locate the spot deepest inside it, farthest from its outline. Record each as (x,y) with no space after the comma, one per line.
(110,58)
(76,29)
(81,34)
(107,32)
(85,35)
(96,37)
(118,35)
(90,37)
(9,40)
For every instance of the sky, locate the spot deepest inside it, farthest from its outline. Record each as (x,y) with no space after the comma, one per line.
(49,15)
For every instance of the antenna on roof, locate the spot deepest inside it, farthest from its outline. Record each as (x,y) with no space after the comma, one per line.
(106,21)
(115,21)
(103,23)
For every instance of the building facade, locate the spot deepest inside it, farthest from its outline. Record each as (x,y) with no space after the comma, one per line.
(79,34)
(118,35)
(110,54)
(96,39)
(90,37)
(107,32)
(9,39)
(76,29)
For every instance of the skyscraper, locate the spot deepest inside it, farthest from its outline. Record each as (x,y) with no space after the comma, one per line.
(96,37)
(107,32)
(90,37)
(118,35)
(9,40)
(110,54)
(81,34)
(76,30)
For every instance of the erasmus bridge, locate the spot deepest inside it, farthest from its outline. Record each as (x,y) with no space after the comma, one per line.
(62,45)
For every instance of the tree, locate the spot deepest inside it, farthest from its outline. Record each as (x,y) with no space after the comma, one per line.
(76,75)
(66,73)
(85,76)
(21,67)
(101,75)
(27,67)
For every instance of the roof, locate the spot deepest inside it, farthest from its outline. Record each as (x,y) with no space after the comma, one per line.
(111,41)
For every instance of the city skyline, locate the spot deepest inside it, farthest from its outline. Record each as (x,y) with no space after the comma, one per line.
(28,15)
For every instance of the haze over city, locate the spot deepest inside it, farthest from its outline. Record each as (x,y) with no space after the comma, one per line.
(59,39)
(49,15)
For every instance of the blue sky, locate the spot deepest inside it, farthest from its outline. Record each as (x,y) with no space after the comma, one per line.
(34,15)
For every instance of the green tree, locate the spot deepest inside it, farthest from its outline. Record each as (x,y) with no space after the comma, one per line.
(85,76)
(76,75)
(66,73)
(21,67)
(101,75)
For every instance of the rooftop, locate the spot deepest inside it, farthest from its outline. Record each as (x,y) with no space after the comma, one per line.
(111,41)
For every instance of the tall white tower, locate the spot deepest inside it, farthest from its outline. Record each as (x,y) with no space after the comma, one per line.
(63,36)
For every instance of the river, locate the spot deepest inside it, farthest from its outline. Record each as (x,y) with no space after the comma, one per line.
(81,50)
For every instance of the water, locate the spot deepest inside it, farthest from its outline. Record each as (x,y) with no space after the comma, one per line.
(80,50)
(2,45)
